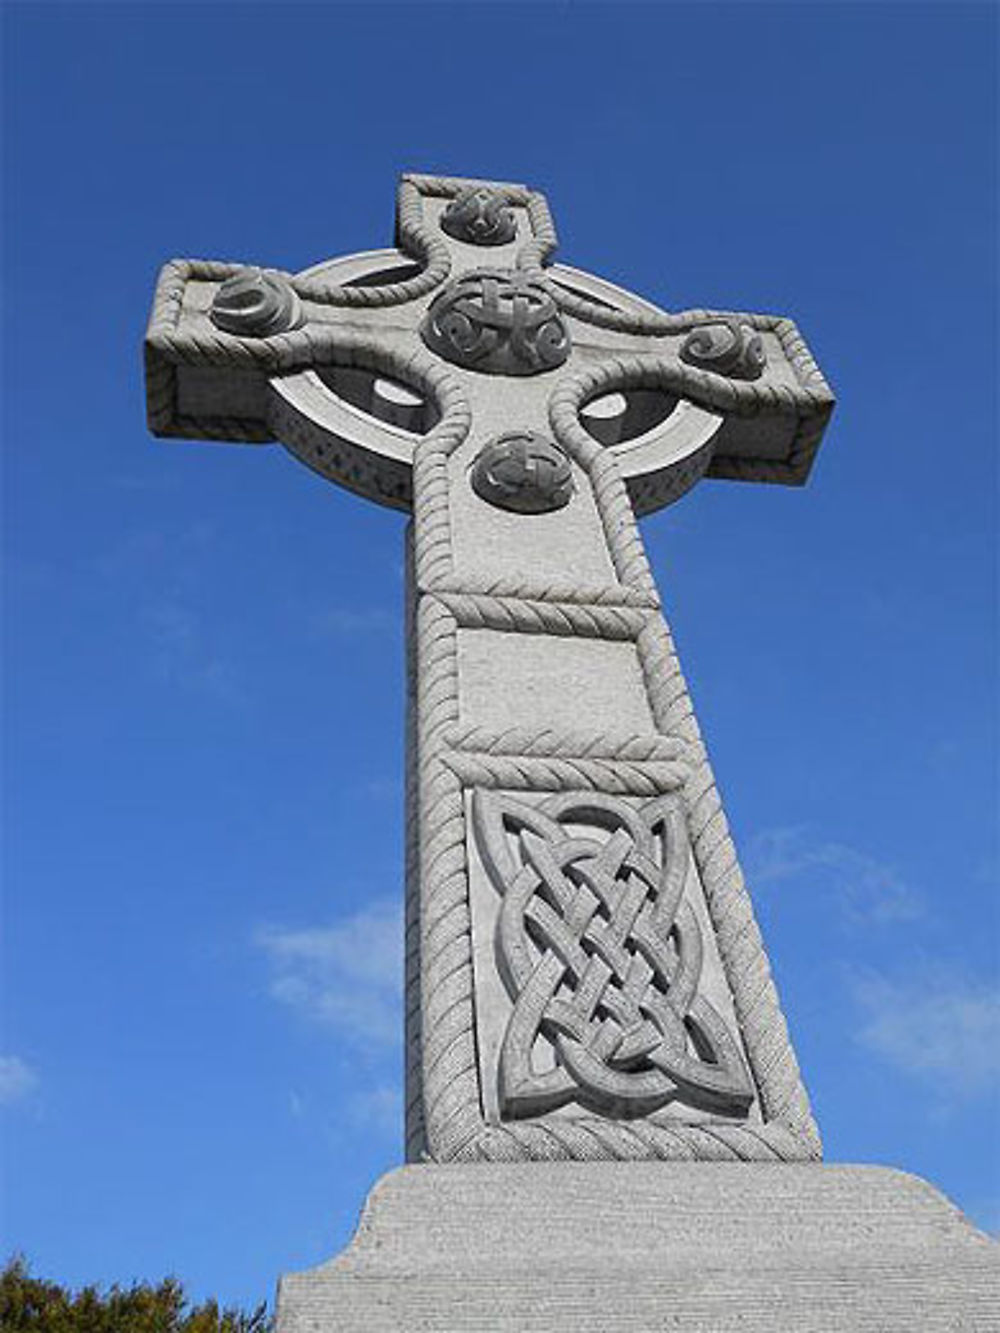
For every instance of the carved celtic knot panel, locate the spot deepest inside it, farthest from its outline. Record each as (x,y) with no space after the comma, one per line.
(601,955)
(479,216)
(500,321)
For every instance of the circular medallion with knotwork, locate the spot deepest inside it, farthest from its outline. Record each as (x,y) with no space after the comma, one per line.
(499,321)
(524,472)
(479,216)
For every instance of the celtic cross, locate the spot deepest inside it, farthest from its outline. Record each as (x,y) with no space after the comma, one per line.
(585,978)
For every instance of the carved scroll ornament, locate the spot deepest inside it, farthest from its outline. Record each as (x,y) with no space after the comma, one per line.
(255,304)
(729,347)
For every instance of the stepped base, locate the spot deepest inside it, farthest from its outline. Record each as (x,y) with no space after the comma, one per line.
(700,1247)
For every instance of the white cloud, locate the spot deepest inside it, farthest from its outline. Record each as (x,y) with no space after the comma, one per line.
(348,623)
(379,1108)
(135,552)
(932,1025)
(348,975)
(182,654)
(17,1079)
(862,887)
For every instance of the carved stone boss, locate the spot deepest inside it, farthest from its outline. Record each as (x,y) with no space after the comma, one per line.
(585,978)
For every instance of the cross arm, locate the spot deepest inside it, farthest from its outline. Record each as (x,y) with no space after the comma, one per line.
(219,332)
(754,370)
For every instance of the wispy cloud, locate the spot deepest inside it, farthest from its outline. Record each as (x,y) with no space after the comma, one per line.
(932,1024)
(365,1109)
(379,1108)
(17,1079)
(863,888)
(348,974)
(349,623)
(182,654)
(159,572)
(143,553)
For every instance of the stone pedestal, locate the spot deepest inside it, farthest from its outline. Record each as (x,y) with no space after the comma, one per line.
(687,1247)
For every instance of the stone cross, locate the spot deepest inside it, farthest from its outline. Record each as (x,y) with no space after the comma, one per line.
(585,978)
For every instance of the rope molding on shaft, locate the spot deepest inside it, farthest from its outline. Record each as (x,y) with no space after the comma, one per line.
(527,742)
(622,777)
(479,611)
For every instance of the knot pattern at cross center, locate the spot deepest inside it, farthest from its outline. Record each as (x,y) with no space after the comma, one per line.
(498,321)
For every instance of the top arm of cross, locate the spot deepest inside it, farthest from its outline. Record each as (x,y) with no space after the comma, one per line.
(343,363)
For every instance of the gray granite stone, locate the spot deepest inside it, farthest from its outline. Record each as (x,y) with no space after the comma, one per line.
(705,1247)
(525,412)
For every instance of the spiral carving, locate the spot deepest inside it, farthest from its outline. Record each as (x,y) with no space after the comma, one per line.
(729,347)
(255,304)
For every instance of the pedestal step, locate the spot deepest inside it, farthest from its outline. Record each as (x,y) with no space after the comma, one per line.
(699,1247)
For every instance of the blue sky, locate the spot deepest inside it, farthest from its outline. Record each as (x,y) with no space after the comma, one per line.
(203,643)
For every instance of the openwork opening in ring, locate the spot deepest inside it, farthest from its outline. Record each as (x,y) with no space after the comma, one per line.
(389,400)
(386,277)
(626,414)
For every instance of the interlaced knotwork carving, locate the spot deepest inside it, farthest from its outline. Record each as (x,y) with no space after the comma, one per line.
(601,954)
(479,216)
(500,321)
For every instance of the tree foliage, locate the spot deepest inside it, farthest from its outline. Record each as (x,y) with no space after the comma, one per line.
(32,1305)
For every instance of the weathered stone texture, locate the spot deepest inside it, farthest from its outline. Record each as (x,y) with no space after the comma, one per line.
(704,1247)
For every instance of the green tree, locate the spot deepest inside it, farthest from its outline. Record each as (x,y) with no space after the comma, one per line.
(32,1305)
